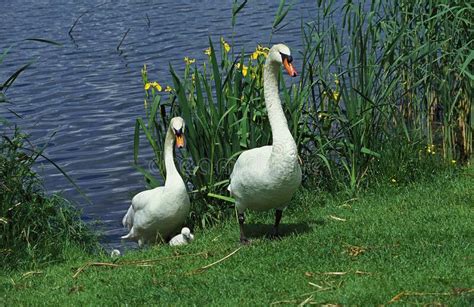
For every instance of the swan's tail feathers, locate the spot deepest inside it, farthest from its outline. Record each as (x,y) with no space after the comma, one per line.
(129,236)
(127,220)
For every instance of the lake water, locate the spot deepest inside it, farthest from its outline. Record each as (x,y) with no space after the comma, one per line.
(87,95)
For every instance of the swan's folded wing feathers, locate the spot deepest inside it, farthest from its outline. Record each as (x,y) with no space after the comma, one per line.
(142,199)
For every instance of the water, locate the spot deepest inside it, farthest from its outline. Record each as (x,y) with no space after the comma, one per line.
(86,95)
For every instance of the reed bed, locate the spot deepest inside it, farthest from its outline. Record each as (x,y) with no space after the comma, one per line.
(384,95)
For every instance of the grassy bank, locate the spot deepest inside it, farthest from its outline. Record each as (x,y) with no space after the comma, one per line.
(410,244)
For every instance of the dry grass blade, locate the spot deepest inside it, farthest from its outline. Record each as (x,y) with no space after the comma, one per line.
(140,263)
(315,285)
(337,218)
(31,273)
(306,301)
(334,273)
(284,302)
(214,263)
(397,297)
(148,261)
(89,264)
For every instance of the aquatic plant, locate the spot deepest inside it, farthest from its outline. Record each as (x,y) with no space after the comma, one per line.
(387,71)
(34,228)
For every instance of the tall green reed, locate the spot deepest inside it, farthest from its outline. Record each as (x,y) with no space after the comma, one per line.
(223,106)
(386,72)
(439,81)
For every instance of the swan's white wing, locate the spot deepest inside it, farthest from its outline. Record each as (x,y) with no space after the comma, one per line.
(249,167)
(139,202)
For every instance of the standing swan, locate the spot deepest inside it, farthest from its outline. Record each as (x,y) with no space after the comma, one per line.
(267,177)
(155,215)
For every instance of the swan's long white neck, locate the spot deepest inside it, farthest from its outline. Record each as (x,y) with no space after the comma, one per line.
(172,175)
(283,142)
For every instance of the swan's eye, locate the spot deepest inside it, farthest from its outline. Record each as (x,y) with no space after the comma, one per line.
(178,132)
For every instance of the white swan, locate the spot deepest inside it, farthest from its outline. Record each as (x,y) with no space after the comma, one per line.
(267,177)
(155,215)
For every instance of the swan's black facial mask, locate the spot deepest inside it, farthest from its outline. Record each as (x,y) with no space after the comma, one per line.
(179,137)
(287,60)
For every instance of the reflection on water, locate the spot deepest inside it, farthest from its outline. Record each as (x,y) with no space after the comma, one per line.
(88,94)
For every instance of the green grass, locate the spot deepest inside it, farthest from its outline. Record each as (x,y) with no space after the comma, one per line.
(415,238)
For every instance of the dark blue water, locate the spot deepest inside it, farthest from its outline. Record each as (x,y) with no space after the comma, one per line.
(88,95)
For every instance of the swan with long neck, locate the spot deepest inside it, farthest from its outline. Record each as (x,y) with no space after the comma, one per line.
(266,177)
(156,215)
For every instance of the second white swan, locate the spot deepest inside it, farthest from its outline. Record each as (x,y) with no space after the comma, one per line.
(156,215)
(267,177)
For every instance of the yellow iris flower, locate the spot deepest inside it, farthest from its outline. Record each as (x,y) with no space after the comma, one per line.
(260,50)
(154,85)
(208,51)
(189,61)
(168,88)
(243,68)
(225,44)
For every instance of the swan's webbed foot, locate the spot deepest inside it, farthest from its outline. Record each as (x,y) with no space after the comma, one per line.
(243,239)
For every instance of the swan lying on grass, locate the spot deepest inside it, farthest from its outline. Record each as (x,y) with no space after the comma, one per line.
(155,215)
(267,177)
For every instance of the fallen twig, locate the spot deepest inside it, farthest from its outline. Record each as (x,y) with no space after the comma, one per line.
(140,263)
(82,268)
(214,263)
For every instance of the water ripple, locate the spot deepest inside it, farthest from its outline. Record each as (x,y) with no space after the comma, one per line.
(89,94)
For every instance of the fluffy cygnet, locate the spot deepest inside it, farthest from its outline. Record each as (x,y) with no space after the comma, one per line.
(183,238)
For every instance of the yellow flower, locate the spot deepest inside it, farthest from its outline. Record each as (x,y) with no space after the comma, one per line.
(430,149)
(453,161)
(153,84)
(335,95)
(189,61)
(208,51)
(325,93)
(336,81)
(225,44)
(243,68)
(260,51)
(393,180)
(168,88)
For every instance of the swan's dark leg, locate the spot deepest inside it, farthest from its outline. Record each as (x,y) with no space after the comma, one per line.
(243,239)
(278,214)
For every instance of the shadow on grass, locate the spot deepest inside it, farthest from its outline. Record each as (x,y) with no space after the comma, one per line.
(260,230)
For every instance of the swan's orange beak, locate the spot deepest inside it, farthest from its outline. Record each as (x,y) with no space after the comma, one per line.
(180,141)
(289,68)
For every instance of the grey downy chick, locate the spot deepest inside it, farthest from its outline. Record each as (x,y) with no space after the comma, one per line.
(183,238)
